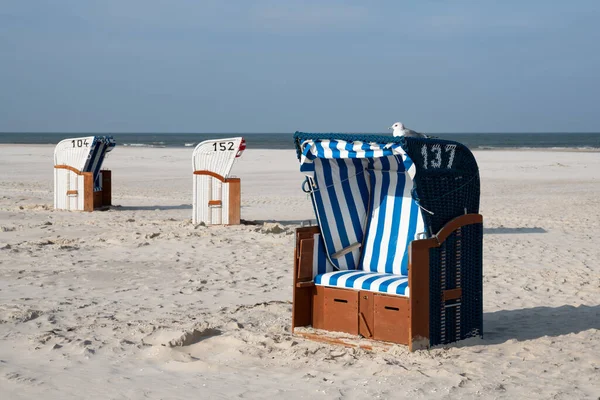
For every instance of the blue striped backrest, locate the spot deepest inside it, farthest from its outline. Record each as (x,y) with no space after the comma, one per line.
(340,191)
(340,201)
(394,218)
(321,264)
(99,148)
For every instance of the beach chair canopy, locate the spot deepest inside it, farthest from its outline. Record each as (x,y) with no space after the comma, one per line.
(218,155)
(365,193)
(84,154)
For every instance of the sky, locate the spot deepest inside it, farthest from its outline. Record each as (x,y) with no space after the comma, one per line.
(287,65)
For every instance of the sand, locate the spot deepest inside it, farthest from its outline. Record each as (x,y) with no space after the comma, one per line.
(137,302)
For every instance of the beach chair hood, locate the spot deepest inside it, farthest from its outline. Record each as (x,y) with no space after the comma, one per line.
(362,196)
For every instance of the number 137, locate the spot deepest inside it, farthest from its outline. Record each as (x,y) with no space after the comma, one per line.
(436,152)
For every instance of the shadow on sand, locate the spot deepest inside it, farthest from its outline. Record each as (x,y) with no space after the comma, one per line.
(303,222)
(503,230)
(152,208)
(536,322)
(312,222)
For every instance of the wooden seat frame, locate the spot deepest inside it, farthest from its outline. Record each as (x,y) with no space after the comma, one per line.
(391,318)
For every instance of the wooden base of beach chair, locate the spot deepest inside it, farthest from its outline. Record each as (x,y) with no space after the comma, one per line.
(92,200)
(217,200)
(235,200)
(103,198)
(372,315)
(396,319)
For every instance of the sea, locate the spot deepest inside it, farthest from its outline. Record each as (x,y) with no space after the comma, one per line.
(475,141)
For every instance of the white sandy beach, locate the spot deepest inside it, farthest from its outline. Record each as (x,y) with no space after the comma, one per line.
(136,302)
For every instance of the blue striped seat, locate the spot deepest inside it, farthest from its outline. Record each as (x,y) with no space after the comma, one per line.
(364,280)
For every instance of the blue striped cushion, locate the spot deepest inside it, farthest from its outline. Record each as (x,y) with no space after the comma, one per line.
(363,280)
(394,221)
(321,262)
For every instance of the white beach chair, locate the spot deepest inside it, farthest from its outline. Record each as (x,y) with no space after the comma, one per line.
(216,195)
(79,182)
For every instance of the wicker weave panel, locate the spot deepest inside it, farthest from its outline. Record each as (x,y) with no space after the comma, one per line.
(458,263)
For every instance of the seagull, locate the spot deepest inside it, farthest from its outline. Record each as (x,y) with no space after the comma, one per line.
(400,130)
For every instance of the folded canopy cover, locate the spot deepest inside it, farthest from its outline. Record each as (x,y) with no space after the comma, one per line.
(362,196)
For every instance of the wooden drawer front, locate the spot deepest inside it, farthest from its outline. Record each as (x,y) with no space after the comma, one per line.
(366,314)
(97,199)
(341,310)
(318,307)
(392,319)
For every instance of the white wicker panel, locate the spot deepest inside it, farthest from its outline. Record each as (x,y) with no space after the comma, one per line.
(65,180)
(80,188)
(60,189)
(215,212)
(217,155)
(225,202)
(72,184)
(195,198)
(202,193)
(73,152)
(215,190)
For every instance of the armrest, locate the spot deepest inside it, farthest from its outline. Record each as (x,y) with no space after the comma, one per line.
(438,239)
(418,279)
(463,220)
(303,271)
(306,232)
(305,260)
(419,248)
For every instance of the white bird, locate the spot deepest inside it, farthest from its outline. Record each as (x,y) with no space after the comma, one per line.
(398,129)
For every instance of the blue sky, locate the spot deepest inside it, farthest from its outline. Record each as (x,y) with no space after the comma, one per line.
(281,66)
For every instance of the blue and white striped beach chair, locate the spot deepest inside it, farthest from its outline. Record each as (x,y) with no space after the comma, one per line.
(79,182)
(368,267)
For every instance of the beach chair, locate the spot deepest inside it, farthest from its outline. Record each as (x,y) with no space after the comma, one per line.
(397,253)
(79,182)
(217,196)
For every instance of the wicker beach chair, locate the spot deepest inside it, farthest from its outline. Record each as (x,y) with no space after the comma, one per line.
(397,253)
(216,196)
(79,182)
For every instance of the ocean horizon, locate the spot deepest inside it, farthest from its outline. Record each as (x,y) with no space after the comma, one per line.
(476,141)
